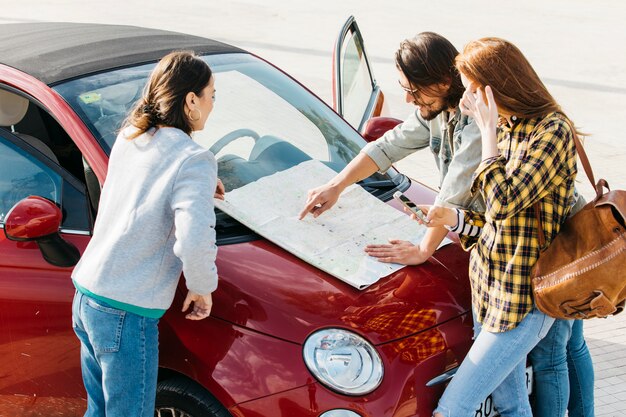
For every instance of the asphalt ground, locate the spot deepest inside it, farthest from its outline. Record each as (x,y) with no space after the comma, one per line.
(577,47)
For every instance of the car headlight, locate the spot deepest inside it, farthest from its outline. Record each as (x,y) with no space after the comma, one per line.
(343,361)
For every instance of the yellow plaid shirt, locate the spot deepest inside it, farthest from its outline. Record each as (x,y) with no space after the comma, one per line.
(537,163)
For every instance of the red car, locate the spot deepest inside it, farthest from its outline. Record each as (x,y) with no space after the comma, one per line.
(283,339)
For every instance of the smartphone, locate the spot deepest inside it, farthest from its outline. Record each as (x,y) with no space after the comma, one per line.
(404,200)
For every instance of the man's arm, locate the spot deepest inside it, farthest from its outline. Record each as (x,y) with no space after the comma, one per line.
(325,196)
(411,135)
(403,140)
(455,192)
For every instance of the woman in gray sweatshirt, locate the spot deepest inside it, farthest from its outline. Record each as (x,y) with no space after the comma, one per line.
(155,220)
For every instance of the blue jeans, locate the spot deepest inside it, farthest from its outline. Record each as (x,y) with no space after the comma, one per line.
(563,372)
(549,361)
(496,364)
(581,376)
(119,358)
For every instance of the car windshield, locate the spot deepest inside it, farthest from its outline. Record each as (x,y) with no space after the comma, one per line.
(263,121)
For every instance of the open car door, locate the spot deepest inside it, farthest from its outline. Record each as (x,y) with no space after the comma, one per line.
(356,96)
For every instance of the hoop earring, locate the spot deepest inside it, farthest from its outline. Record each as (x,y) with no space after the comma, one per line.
(192,118)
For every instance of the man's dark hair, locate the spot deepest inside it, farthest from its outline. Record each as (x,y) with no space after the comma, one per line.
(428,59)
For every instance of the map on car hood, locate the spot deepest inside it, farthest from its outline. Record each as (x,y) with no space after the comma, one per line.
(332,242)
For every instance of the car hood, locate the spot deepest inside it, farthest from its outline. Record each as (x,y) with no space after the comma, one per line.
(268,290)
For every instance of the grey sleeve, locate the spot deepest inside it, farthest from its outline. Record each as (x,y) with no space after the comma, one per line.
(411,135)
(194,218)
(456,186)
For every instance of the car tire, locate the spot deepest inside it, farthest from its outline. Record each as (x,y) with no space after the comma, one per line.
(180,397)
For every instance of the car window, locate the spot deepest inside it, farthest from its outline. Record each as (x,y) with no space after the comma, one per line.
(262,111)
(103,100)
(284,123)
(21,175)
(263,121)
(356,95)
(23,172)
(355,80)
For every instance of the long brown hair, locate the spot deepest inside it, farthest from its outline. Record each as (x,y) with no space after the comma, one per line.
(428,59)
(163,102)
(517,88)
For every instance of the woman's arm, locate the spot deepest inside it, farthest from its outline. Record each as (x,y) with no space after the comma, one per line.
(506,193)
(540,169)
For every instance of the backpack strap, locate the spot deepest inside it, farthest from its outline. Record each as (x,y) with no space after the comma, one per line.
(599,187)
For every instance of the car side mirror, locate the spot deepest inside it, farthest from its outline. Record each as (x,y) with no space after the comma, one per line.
(39,219)
(377,126)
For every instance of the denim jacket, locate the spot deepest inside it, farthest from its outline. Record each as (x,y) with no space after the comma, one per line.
(457,156)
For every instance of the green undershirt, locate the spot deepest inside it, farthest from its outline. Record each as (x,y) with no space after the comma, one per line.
(152,313)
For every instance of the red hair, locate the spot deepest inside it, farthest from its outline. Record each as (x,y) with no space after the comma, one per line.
(517,88)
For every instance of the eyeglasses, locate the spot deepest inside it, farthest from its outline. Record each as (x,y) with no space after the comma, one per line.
(406,89)
(417,98)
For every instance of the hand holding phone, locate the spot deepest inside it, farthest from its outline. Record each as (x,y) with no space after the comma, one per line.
(404,200)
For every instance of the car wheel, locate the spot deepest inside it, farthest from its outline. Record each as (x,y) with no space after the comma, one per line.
(179,397)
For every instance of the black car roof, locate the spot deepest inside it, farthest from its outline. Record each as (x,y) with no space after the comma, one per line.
(53,52)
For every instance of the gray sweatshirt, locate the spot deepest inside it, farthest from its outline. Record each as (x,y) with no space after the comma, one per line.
(156,218)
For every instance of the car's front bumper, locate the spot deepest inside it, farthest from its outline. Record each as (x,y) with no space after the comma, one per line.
(409,364)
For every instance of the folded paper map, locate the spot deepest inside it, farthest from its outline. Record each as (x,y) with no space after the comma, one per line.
(332,242)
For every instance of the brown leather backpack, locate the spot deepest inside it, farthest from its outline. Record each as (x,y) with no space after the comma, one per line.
(582,274)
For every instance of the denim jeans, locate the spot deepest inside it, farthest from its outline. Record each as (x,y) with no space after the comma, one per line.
(581,376)
(563,372)
(549,361)
(495,364)
(119,358)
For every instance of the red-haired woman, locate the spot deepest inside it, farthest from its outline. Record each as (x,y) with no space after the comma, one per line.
(528,157)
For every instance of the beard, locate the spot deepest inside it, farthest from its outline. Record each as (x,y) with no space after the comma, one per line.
(431,112)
